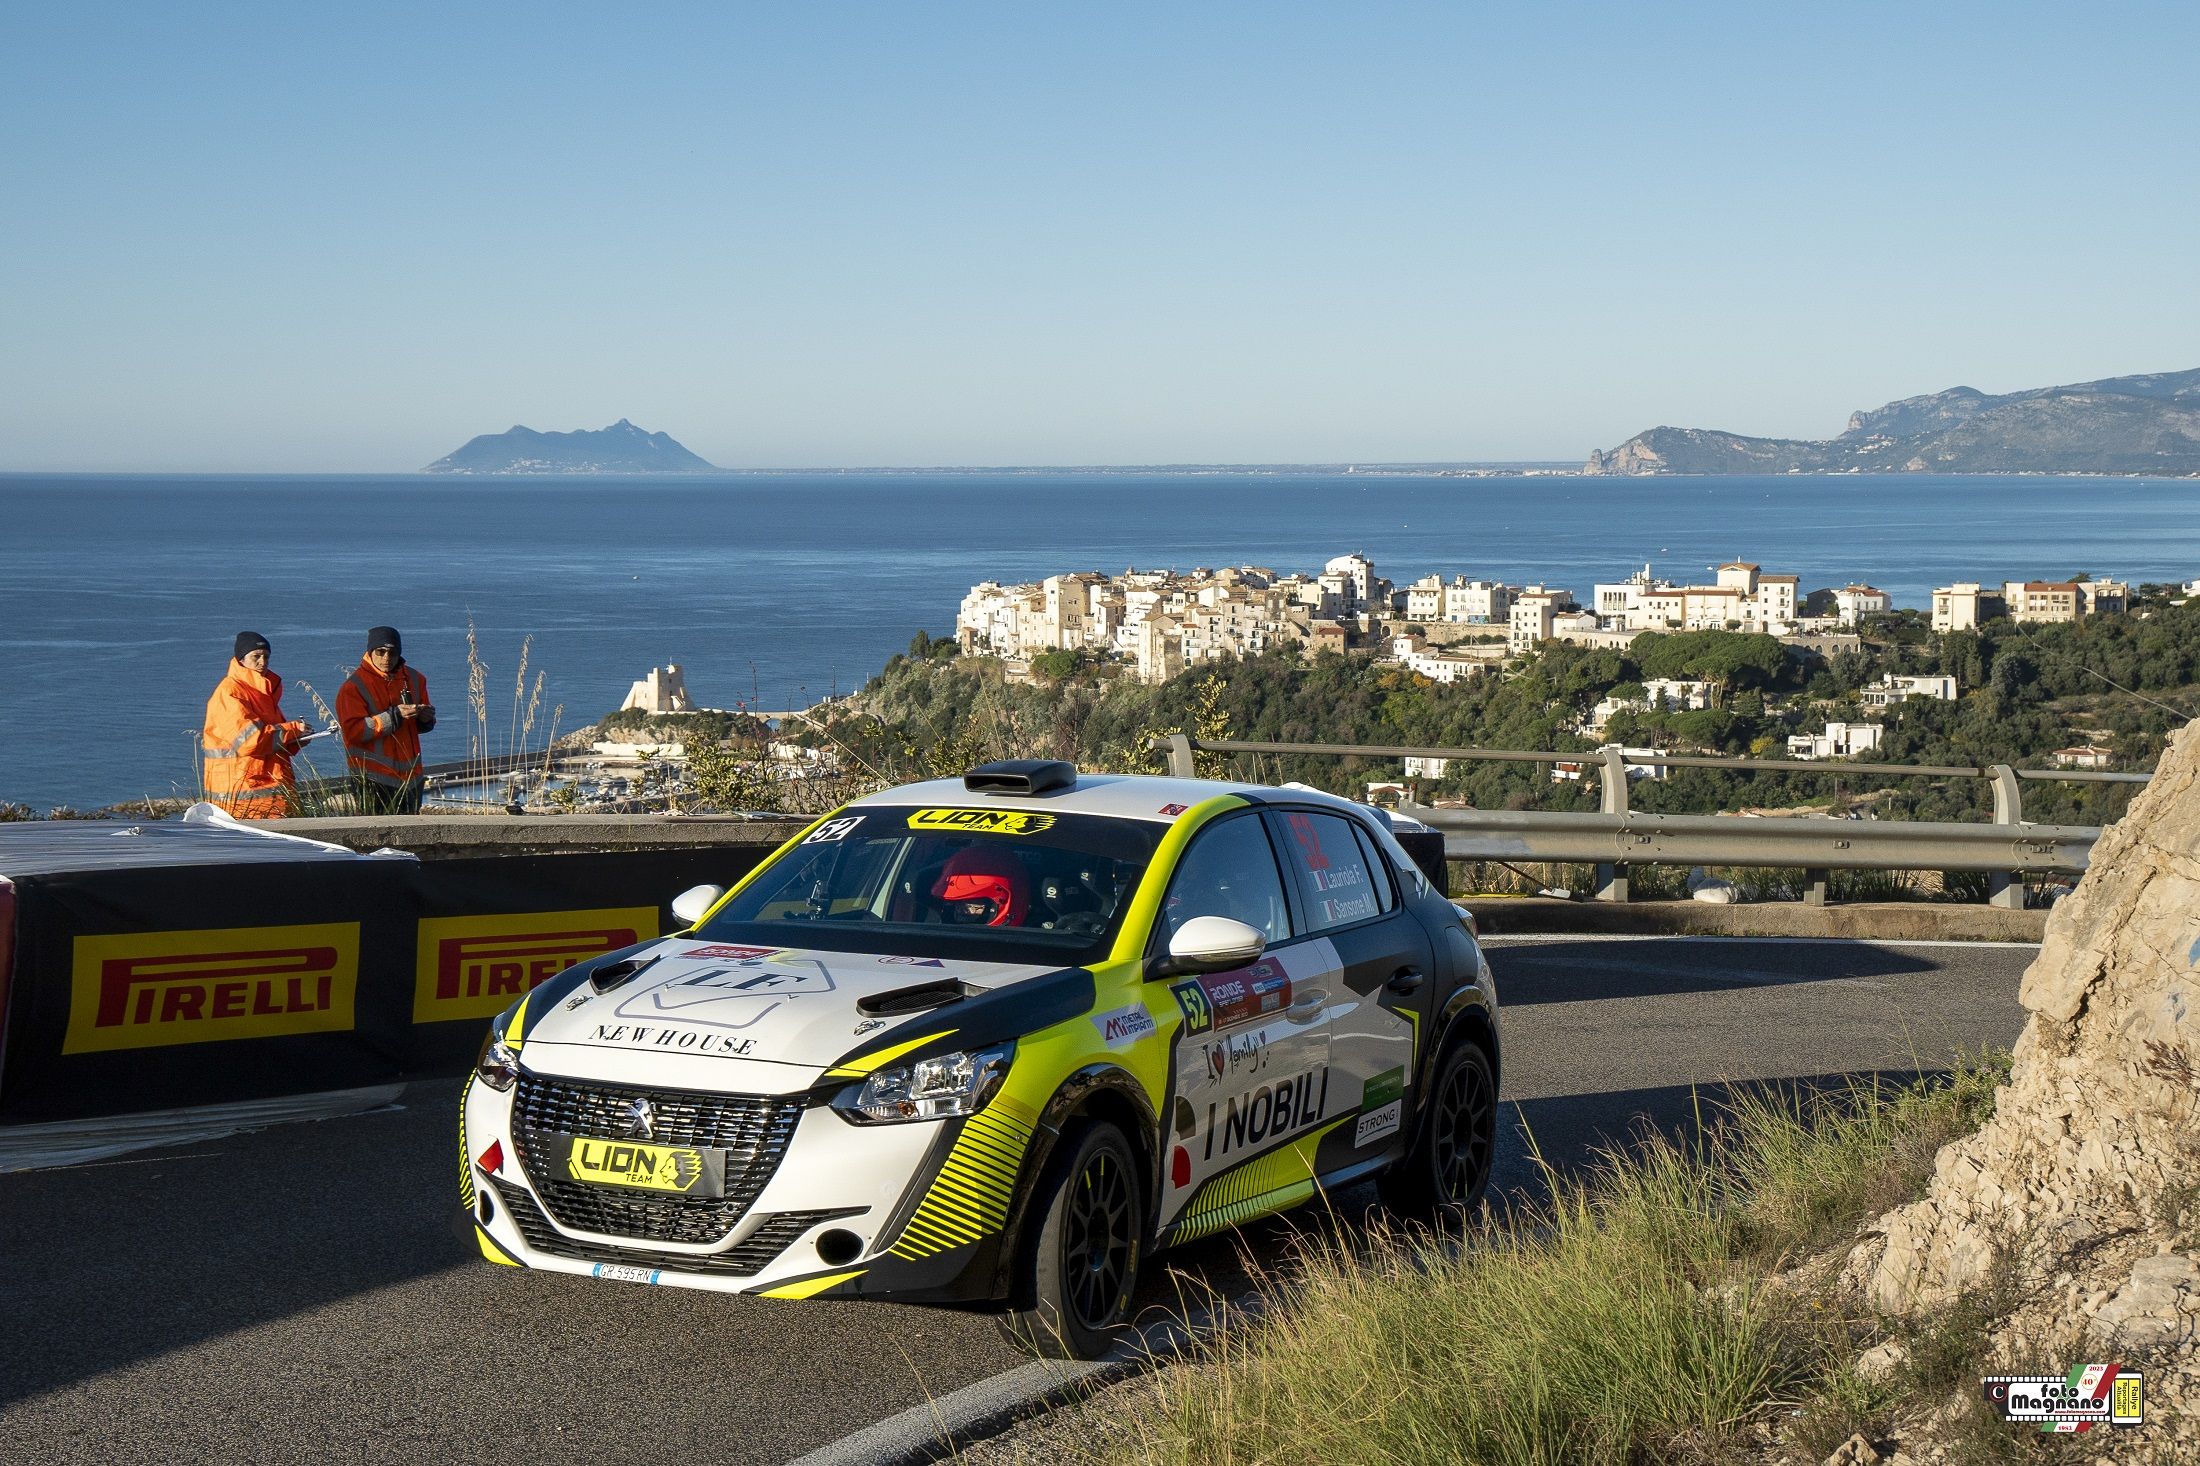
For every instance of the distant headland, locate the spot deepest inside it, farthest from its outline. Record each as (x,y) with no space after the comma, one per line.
(2144,425)
(620,448)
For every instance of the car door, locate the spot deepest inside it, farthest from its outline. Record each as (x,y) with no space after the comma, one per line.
(1252,1059)
(1347,897)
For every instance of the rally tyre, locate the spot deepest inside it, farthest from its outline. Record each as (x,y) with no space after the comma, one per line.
(1080,1249)
(1443,1177)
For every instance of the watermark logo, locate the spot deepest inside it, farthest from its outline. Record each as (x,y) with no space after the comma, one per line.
(2090,1395)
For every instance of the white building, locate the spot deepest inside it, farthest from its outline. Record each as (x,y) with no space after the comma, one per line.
(1451,665)
(1355,576)
(2084,756)
(1426,768)
(1840,740)
(1962,606)
(664,690)
(1572,770)
(1854,602)
(1743,598)
(1892,689)
(1534,610)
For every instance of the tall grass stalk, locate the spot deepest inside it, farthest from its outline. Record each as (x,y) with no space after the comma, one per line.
(1625,1318)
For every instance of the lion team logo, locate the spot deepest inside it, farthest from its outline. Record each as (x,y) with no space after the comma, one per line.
(981,821)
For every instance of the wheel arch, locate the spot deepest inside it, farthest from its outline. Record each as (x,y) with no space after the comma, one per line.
(1095,1092)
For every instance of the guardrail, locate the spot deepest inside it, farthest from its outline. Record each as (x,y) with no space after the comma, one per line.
(1618,837)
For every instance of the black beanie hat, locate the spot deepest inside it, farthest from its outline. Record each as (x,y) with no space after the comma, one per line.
(249,642)
(385,636)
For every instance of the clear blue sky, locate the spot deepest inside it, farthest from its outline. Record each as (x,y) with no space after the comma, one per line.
(334,237)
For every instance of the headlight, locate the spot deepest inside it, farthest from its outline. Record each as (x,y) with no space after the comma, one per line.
(498,1066)
(929,1089)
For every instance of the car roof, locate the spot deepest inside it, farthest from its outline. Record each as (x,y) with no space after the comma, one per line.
(1114,796)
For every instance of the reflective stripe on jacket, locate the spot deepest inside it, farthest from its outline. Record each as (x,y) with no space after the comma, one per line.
(245,749)
(378,743)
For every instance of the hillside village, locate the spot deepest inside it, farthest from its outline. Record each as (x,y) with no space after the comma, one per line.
(1159,623)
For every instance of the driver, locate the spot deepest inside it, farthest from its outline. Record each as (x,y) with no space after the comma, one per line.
(983,886)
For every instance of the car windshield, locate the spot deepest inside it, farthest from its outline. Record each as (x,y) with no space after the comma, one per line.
(992,885)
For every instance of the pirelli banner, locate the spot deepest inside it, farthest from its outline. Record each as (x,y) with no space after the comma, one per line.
(176,984)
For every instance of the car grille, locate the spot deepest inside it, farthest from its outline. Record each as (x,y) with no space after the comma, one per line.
(746,1258)
(751,1131)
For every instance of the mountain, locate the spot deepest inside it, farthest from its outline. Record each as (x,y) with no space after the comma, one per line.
(620,448)
(2124,425)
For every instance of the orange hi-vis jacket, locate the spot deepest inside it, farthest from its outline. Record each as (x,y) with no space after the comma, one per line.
(247,745)
(378,743)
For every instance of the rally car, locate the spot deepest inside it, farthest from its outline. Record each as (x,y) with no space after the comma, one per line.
(989,1042)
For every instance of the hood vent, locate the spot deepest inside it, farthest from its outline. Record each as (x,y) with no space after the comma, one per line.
(911,1000)
(614,974)
(1021,776)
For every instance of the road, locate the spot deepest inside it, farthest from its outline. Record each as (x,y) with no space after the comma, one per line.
(294,1294)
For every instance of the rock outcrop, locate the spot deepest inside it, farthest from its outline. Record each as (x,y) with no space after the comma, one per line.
(2081,1195)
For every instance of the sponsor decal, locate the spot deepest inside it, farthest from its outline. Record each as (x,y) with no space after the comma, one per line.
(728,997)
(619,1272)
(1356,908)
(645,1167)
(1227,999)
(151,989)
(473,966)
(730,954)
(1309,841)
(1174,808)
(2090,1395)
(1124,1025)
(912,962)
(981,821)
(1271,1112)
(674,1040)
(1337,877)
(833,831)
(1382,1106)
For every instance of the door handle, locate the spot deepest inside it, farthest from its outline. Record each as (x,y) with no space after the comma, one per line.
(1406,980)
(1306,1009)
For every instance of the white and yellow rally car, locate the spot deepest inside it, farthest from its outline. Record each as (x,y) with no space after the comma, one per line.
(988,1043)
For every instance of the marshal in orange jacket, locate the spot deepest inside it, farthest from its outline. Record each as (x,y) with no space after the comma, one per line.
(379,743)
(247,745)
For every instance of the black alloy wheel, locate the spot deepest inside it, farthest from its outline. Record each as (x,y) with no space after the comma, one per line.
(1081,1247)
(1445,1173)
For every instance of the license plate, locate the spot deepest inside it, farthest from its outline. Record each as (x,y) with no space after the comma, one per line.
(675,1170)
(619,1272)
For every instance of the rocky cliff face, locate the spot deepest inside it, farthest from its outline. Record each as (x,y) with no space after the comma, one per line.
(2084,1188)
(2123,425)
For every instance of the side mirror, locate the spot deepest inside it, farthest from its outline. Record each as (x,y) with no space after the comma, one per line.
(690,905)
(1215,944)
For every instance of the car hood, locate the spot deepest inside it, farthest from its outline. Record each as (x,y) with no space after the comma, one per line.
(781,1005)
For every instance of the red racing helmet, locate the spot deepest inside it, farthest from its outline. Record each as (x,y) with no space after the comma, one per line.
(986,873)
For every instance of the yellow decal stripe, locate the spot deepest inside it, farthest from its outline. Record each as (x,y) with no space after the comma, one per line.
(969,1198)
(861,1068)
(517,1028)
(491,1251)
(465,1158)
(811,1287)
(1281,1178)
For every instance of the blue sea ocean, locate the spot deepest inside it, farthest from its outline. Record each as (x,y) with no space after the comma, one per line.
(119,595)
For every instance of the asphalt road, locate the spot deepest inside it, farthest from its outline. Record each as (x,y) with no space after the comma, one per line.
(294,1295)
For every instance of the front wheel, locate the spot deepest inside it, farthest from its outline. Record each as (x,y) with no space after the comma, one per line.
(1080,1257)
(1448,1169)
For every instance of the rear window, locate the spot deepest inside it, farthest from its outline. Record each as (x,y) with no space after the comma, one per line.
(1327,860)
(987,884)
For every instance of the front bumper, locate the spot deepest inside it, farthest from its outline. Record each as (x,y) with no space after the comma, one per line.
(817,1215)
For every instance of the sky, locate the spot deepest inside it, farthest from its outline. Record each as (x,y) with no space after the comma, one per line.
(321,238)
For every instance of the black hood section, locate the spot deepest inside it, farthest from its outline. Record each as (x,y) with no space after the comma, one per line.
(985,1016)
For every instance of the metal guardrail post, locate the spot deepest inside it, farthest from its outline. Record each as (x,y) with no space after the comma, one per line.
(2006,888)
(1612,796)
(1814,886)
(1181,763)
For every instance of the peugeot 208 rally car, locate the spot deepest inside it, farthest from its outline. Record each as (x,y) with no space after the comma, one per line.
(990,1042)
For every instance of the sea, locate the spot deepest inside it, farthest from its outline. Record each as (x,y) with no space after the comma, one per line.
(120,595)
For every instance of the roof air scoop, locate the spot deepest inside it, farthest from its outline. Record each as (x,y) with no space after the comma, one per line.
(1021,776)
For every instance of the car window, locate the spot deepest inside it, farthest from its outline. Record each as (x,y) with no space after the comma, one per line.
(1385,896)
(1336,888)
(1002,884)
(1229,870)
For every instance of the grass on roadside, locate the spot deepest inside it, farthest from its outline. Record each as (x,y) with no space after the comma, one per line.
(1627,1318)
